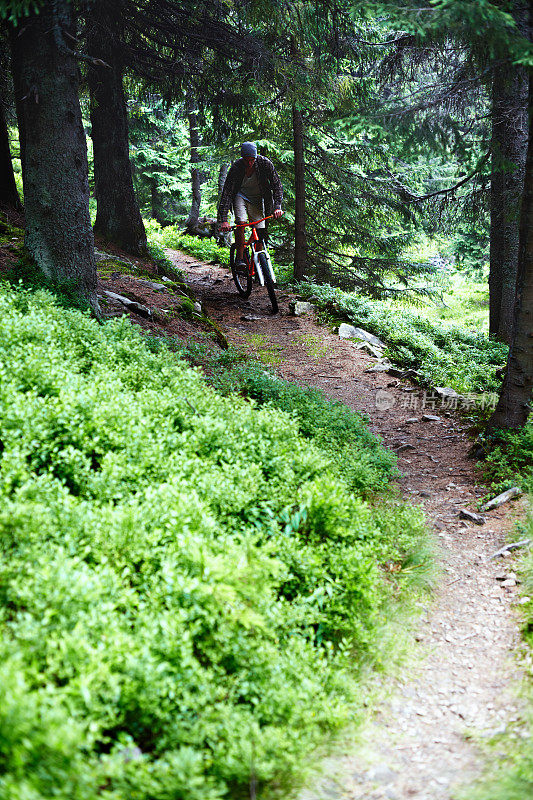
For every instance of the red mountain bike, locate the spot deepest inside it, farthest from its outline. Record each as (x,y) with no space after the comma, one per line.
(257,266)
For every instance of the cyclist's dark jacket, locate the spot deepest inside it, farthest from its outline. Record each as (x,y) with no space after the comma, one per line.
(268,179)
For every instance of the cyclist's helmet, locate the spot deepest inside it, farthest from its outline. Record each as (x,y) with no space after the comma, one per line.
(248,149)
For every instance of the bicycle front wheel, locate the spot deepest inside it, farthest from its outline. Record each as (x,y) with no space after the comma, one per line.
(241,274)
(269,281)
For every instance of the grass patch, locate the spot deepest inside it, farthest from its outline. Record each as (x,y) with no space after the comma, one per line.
(189,579)
(466,303)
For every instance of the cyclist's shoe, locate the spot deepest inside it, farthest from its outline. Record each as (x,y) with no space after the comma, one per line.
(240,264)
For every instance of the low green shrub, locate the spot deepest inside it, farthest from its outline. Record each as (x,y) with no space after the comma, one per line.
(187,585)
(172,237)
(160,258)
(357,455)
(444,354)
(510,459)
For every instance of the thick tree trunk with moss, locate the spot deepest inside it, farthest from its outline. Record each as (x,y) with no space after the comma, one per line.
(56,189)
(9,196)
(300,236)
(118,218)
(514,404)
(509,147)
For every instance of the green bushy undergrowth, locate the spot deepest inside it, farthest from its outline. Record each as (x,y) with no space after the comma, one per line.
(187,585)
(171,236)
(364,464)
(510,458)
(445,355)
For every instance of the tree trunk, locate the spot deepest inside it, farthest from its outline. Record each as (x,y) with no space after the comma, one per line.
(14,33)
(9,196)
(222,175)
(197,177)
(56,189)
(222,239)
(509,146)
(118,218)
(300,237)
(514,404)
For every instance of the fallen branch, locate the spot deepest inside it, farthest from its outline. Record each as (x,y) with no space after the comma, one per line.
(509,547)
(502,498)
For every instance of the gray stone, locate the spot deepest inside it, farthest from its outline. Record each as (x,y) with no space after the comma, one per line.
(101,256)
(507,576)
(391,794)
(351,332)
(405,446)
(138,308)
(430,418)
(411,374)
(383,366)
(373,351)
(395,372)
(447,391)
(298,308)
(198,307)
(157,287)
(381,773)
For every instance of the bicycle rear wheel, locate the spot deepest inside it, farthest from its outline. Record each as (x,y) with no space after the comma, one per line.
(242,274)
(269,281)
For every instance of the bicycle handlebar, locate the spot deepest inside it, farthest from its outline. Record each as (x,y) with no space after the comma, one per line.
(250,224)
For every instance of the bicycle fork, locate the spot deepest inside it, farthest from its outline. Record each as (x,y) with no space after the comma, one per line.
(259,271)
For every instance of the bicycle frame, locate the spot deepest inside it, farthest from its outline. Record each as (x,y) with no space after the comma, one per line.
(259,265)
(253,265)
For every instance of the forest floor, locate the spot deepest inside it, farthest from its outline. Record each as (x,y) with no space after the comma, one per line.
(461,686)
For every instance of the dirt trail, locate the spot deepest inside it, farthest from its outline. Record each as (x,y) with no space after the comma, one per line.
(423,741)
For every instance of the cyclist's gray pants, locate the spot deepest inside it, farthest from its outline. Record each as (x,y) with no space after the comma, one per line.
(244,211)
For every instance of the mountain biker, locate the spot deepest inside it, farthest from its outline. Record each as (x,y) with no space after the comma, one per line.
(254,189)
